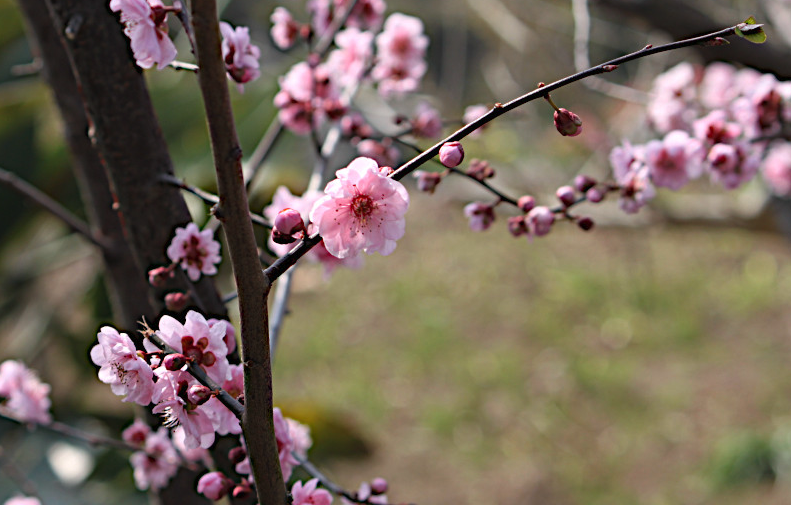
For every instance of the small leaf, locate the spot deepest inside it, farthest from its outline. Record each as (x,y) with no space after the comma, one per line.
(751,31)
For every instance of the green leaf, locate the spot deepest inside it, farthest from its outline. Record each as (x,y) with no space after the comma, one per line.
(751,31)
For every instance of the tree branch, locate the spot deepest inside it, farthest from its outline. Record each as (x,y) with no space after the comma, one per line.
(252,286)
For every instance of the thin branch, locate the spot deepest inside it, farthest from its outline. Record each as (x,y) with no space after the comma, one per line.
(501,196)
(330,485)
(16,474)
(39,198)
(285,262)
(209,198)
(89,438)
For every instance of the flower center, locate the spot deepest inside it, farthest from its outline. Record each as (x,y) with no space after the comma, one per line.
(362,206)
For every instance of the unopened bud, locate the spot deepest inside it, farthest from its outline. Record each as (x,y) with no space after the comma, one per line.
(242,491)
(287,223)
(609,68)
(595,194)
(717,41)
(237,455)
(378,486)
(566,195)
(427,181)
(526,203)
(517,226)
(567,123)
(173,362)
(480,170)
(585,223)
(198,394)
(540,220)
(583,183)
(176,302)
(158,277)
(451,154)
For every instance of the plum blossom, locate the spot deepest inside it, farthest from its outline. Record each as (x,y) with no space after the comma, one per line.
(157,463)
(199,340)
(22,500)
(223,420)
(284,29)
(348,62)
(307,494)
(675,160)
(366,14)
(285,444)
(23,394)
(539,221)
(306,96)
(146,26)
(240,56)
(632,176)
(382,151)
(481,215)
(196,251)
(777,169)
(362,210)
(426,121)
(170,396)
(673,93)
(732,164)
(401,48)
(214,485)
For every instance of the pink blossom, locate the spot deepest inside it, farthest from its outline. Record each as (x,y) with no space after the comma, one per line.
(194,454)
(636,189)
(715,128)
(202,342)
(137,433)
(146,26)
(539,221)
(366,14)
(472,113)
(22,500)
(481,215)
(223,420)
(673,161)
(195,250)
(171,400)
(732,164)
(354,125)
(777,169)
(426,121)
(718,86)
(427,181)
(285,444)
(214,485)
(401,48)
(230,333)
(362,210)
(673,93)
(383,152)
(156,464)
(23,394)
(348,62)
(240,56)
(306,95)
(366,492)
(284,29)
(300,434)
(307,494)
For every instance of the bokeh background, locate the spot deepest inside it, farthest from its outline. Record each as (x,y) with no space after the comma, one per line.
(644,362)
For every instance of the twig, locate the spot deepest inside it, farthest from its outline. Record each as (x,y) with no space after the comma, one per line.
(38,197)
(75,433)
(19,478)
(501,196)
(330,485)
(208,198)
(252,285)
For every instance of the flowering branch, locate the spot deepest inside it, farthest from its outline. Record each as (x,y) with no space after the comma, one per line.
(285,262)
(40,198)
(252,285)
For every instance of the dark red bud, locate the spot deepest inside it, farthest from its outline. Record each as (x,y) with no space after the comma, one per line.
(174,362)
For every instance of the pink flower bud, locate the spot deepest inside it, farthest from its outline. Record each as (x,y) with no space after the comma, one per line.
(585,223)
(481,215)
(566,195)
(540,220)
(427,181)
(158,277)
(214,485)
(287,223)
(480,169)
(526,203)
(517,226)
(568,123)
(583,183)
(174,362)
(237,455)
(451,154)
(378,486)
(176,302)
(198,394)
(242,491)
(595,194)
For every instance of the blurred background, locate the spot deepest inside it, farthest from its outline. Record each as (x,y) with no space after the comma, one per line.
(644,362)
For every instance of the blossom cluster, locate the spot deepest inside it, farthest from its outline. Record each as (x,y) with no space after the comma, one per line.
(196,416)
(368,49)
(22,394)
(145,24)
(718,121)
